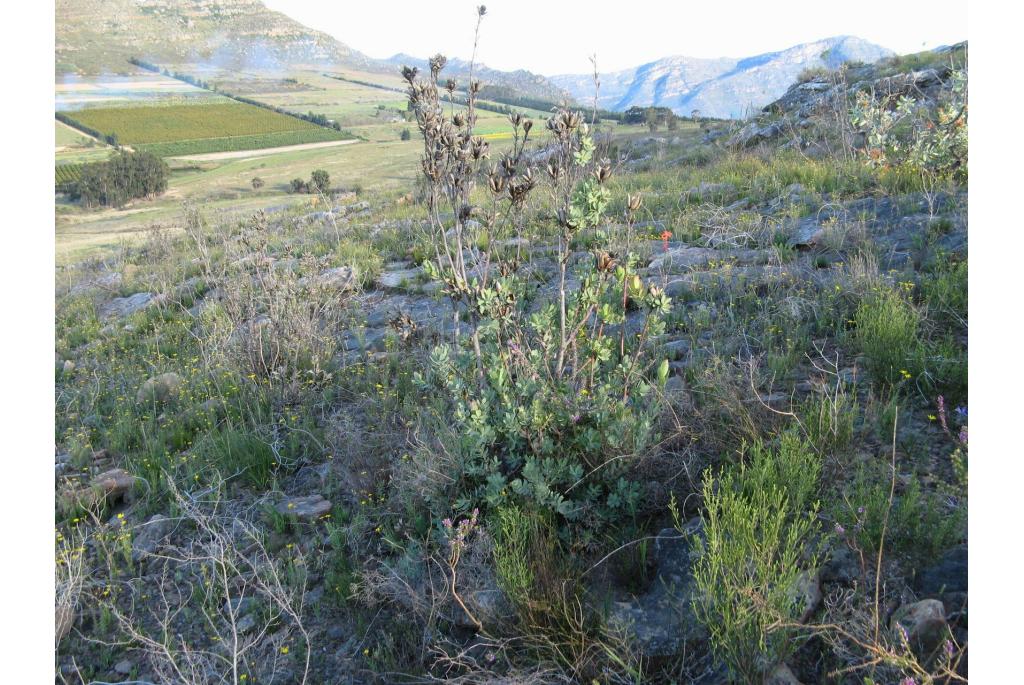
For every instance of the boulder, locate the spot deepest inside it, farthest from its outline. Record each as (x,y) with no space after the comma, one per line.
(782,675)
(948,574)
(923,624)
(159,389)
(754,133)
(121,307)
(807,593)
(662,620)
(308,508)
(398,278)
(113,484)
(147,538)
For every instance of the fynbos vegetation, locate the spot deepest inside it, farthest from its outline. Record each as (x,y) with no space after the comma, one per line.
(579,404)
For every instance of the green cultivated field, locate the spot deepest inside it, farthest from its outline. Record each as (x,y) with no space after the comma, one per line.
(192,129)
(67,173)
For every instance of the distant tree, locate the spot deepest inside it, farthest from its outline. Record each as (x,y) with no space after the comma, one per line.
(634,115)
(257,183)
(124,177)
(111,139)
(695,115)
(406,134)
(319,181)
(297,185)
(673,122)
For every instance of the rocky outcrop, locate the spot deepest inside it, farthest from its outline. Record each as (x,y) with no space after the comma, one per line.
(662,620)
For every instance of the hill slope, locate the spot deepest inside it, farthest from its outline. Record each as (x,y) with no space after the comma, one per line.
(724,87)
(525,83)
(98,36)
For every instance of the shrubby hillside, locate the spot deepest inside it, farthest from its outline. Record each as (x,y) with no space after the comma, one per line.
(576,407)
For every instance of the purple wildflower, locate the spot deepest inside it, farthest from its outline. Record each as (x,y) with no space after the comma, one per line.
(961,412)
(963,436)
(840,529)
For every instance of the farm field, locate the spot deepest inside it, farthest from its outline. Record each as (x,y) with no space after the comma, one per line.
(74,147)
(190,129)
(382,161)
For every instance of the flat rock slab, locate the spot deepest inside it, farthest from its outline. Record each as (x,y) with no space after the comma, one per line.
(686,258)
(662,620)
(308,508)
(339,278)
(398,278)
(121,307)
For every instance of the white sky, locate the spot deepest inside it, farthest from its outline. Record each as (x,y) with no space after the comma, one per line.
(557,36)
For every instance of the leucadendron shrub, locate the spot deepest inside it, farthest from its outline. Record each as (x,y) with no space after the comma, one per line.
(550,395)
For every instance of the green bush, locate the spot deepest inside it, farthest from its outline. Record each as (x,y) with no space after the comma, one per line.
(920,525)
(944,289)
(549,398)
(759,519)
(514,537)
(319,181)
(829,419)
(887,334)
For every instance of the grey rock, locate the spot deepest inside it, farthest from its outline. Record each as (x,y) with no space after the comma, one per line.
(807,593)
(147,538)
(782,675)
(948,574)
(398,278)
(924,623)
(246,624)
(121,307)
(159,389)
(662,621)
(308,508)
(123,667)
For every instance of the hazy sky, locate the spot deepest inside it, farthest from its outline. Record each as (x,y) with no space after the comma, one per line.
(557,36)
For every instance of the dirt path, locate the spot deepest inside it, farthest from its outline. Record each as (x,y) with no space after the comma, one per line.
(240,154)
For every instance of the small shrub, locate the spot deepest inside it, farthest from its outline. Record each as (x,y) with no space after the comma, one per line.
(239,452)
(944,289)
(887,335)
(829,419)
(758,521)
(257,183)
(514,538)
(319,182)
(920,526)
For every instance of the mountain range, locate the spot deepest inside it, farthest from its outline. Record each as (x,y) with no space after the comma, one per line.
(98,36)
(725,87)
